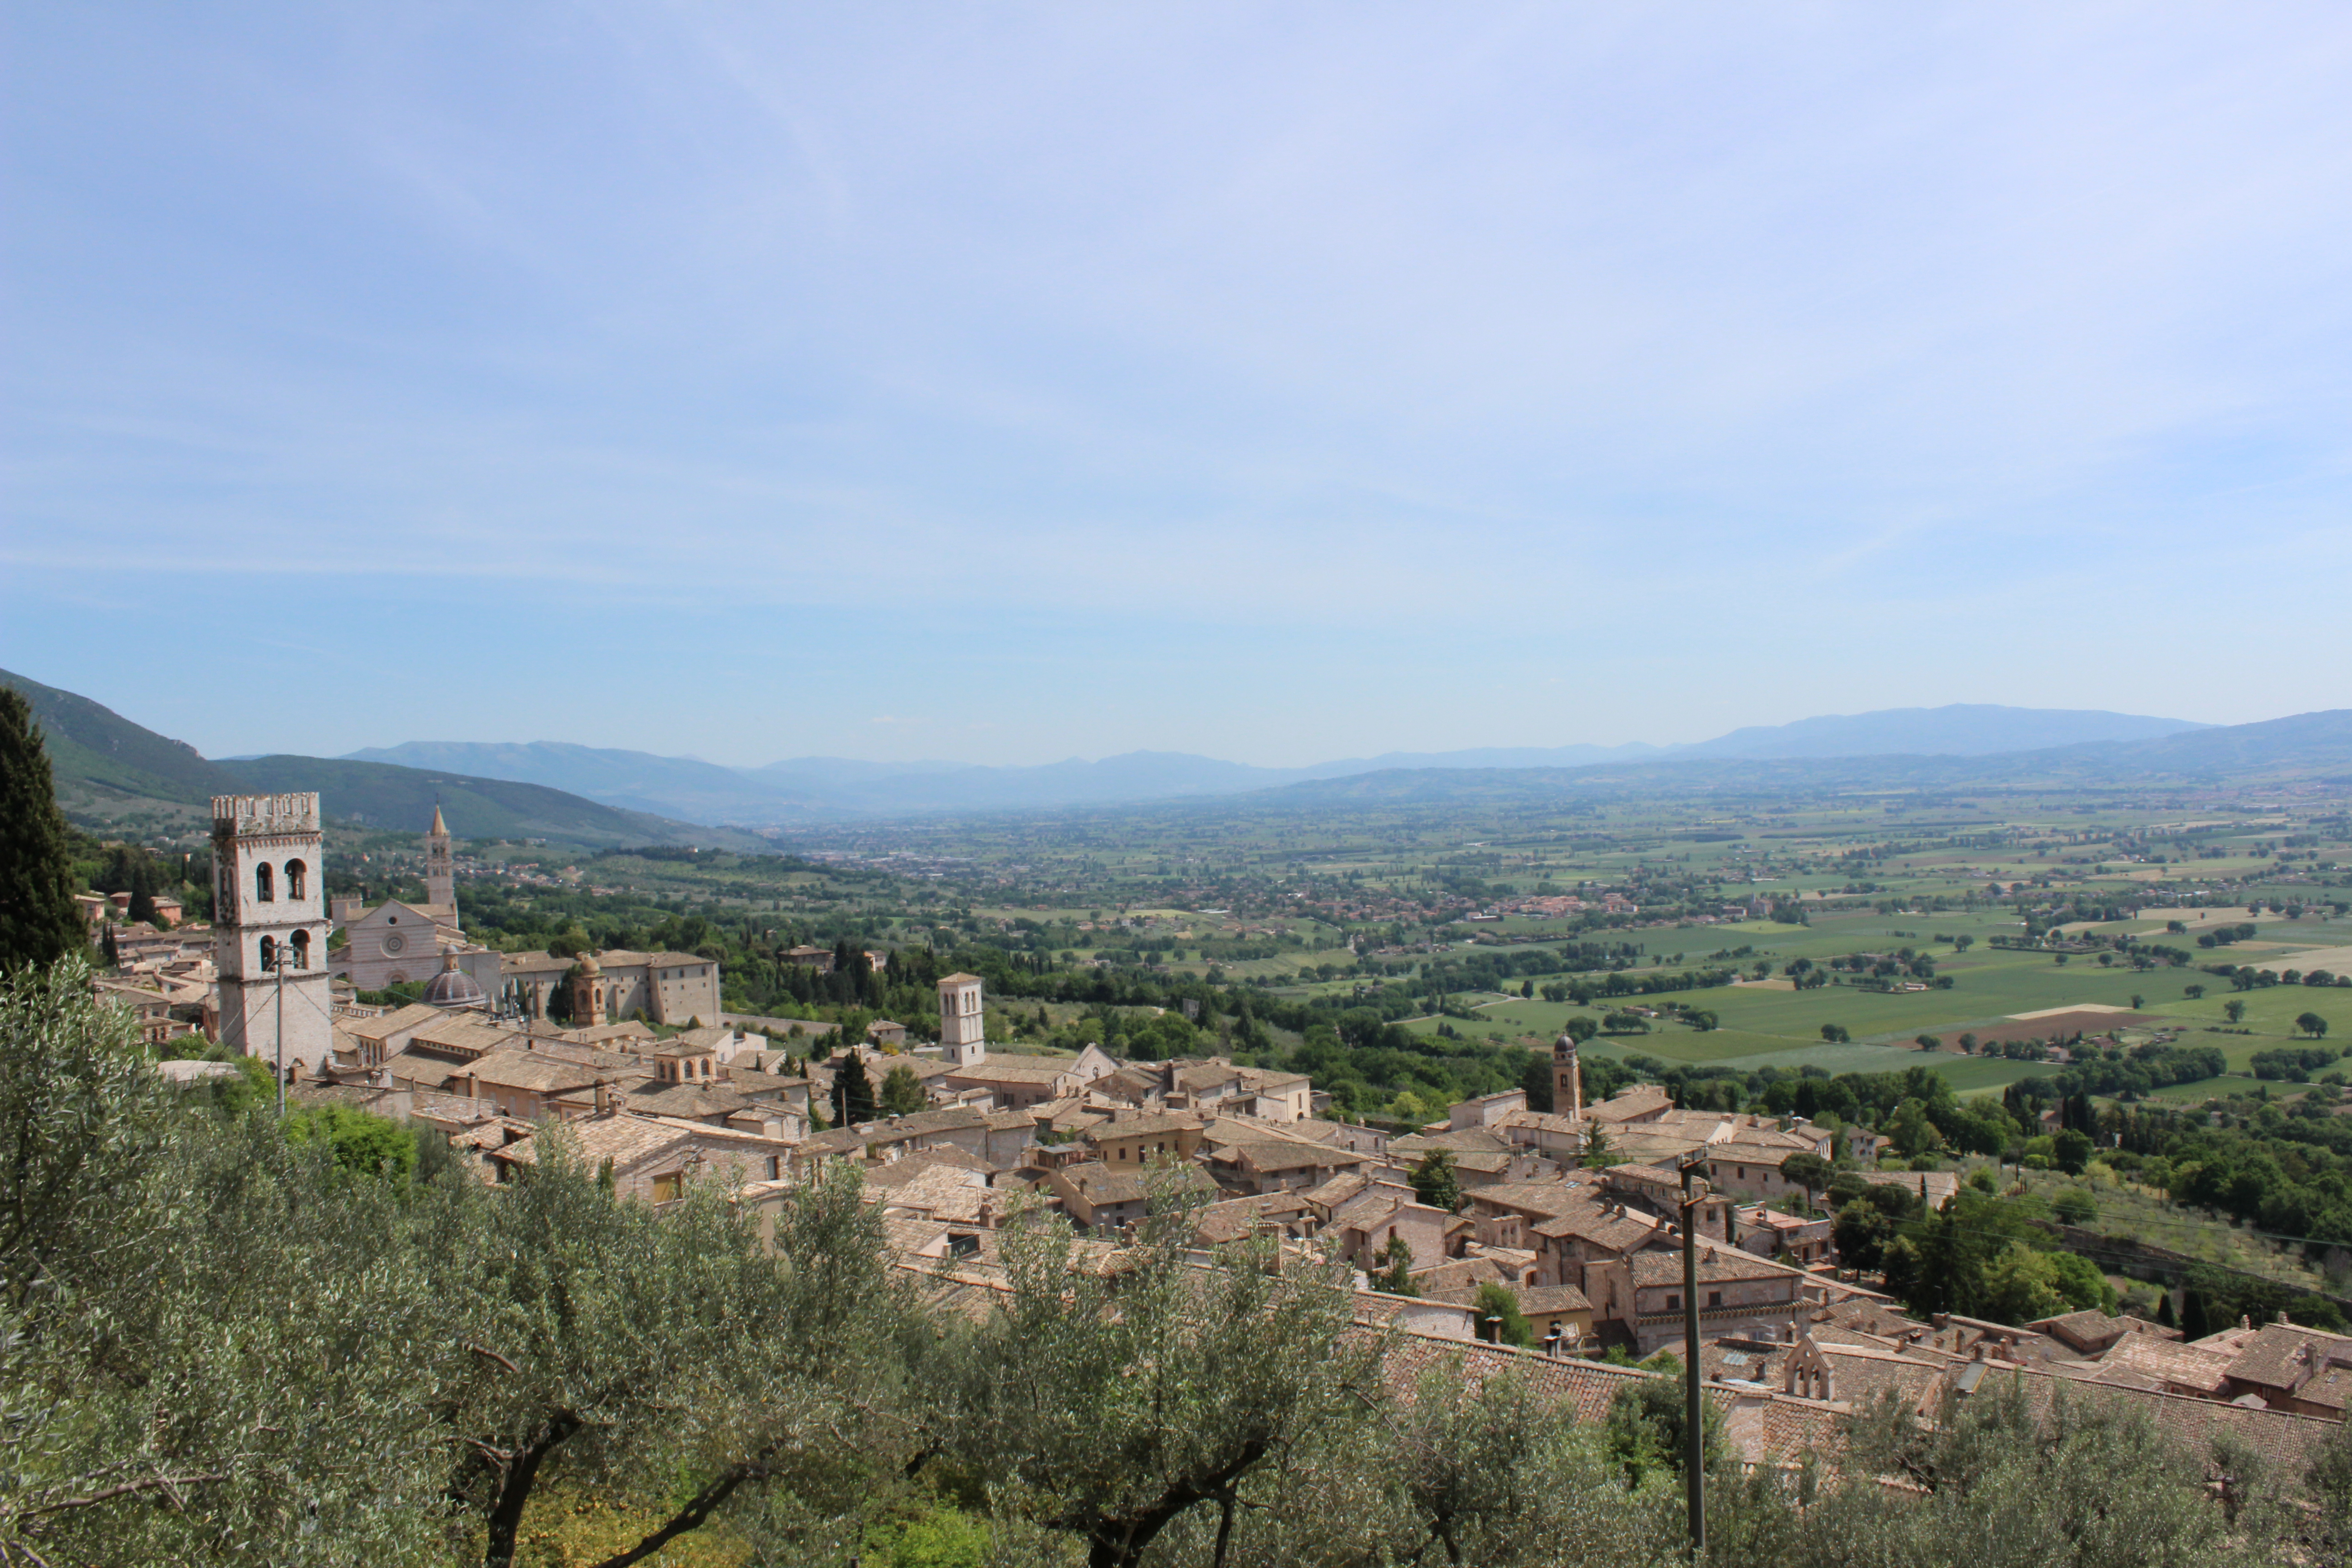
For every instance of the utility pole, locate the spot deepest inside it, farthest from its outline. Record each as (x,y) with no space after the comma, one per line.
(277,962)
(1694,1405)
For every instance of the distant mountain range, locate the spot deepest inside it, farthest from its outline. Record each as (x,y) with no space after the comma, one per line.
(813,789)
(107,767)
(594,797)
(2313,747)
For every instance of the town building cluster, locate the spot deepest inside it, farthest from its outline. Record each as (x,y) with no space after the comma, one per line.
(1576,1212)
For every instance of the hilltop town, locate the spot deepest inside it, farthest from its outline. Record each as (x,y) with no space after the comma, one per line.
(1582,1230)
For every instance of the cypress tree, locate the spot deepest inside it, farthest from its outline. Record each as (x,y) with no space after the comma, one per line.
(853,1092)
(2164,1310)
(38,922)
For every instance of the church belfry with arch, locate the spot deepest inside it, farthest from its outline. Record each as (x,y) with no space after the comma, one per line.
(395,942)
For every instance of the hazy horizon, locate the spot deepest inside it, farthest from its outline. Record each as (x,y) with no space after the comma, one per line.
(1274,387)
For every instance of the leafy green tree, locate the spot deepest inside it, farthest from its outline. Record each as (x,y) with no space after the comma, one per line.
(1109,1408)
(902,1091)
(1810,1171)
(2311,1024)
(2072,1149)
(1502,1303)
(619,1352)
(1599,1152)
(1835,1033)
(360,1143)
(940,1537)
(2234,1011)
(2076,1206)
(1930,1042)
(2019,1285)
(1435,1183)
(2078,1280)
(38,922)
(1912,1129)
(152,1257)
(1581,1028)
(1647,1422)
(1496,1474)
(1992,1482)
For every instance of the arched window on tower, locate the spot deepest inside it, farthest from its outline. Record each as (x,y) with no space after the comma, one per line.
(269,952)
(261,888)
(300,958)
(297,874)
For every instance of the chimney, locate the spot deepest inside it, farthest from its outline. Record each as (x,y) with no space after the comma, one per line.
(2244,1321)
(603,1098)
(2282,1316)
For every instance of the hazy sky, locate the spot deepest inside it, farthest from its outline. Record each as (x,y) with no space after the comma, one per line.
(1280,382)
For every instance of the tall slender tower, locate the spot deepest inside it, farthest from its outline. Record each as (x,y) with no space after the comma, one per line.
(963,1021)
(1566,1083)
(269,928)
(440,873)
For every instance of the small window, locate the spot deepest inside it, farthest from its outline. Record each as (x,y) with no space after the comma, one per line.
(269,954)
(670,1188)
(261,885)
(1674,1303)
(1714,1297)
(296,877)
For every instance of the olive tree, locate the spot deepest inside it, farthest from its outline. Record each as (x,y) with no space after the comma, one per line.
(213,1346)
(670,1360)
(1113,1392)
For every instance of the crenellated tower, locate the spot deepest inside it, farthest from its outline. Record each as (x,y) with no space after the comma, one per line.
(270,929)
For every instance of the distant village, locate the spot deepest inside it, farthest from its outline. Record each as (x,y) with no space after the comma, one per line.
(1574,1212)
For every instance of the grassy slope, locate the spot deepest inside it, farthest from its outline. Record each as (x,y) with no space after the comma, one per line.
(383,795)
(94,744)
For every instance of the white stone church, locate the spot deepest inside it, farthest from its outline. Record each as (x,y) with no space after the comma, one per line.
(397,944)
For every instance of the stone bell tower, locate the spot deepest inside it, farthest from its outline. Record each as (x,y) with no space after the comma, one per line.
(440,872)
(270,929)
(588,994)
(963,1020)
(1566,1083)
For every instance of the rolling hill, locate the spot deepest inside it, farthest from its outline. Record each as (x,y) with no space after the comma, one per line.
(104,762)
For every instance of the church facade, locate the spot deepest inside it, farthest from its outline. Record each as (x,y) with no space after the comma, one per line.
(400,943)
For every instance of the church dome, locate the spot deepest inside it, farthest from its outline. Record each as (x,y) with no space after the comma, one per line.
(588,965)
(453,987)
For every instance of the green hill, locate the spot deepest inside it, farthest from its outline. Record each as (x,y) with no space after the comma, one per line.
(95,744)
(385,797)
(111,771)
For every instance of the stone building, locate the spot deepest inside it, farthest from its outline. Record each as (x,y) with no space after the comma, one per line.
(674,988)
(963,1020)
(399,943)
(269,930)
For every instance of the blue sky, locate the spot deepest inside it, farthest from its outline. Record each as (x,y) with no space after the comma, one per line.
(1280,383)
